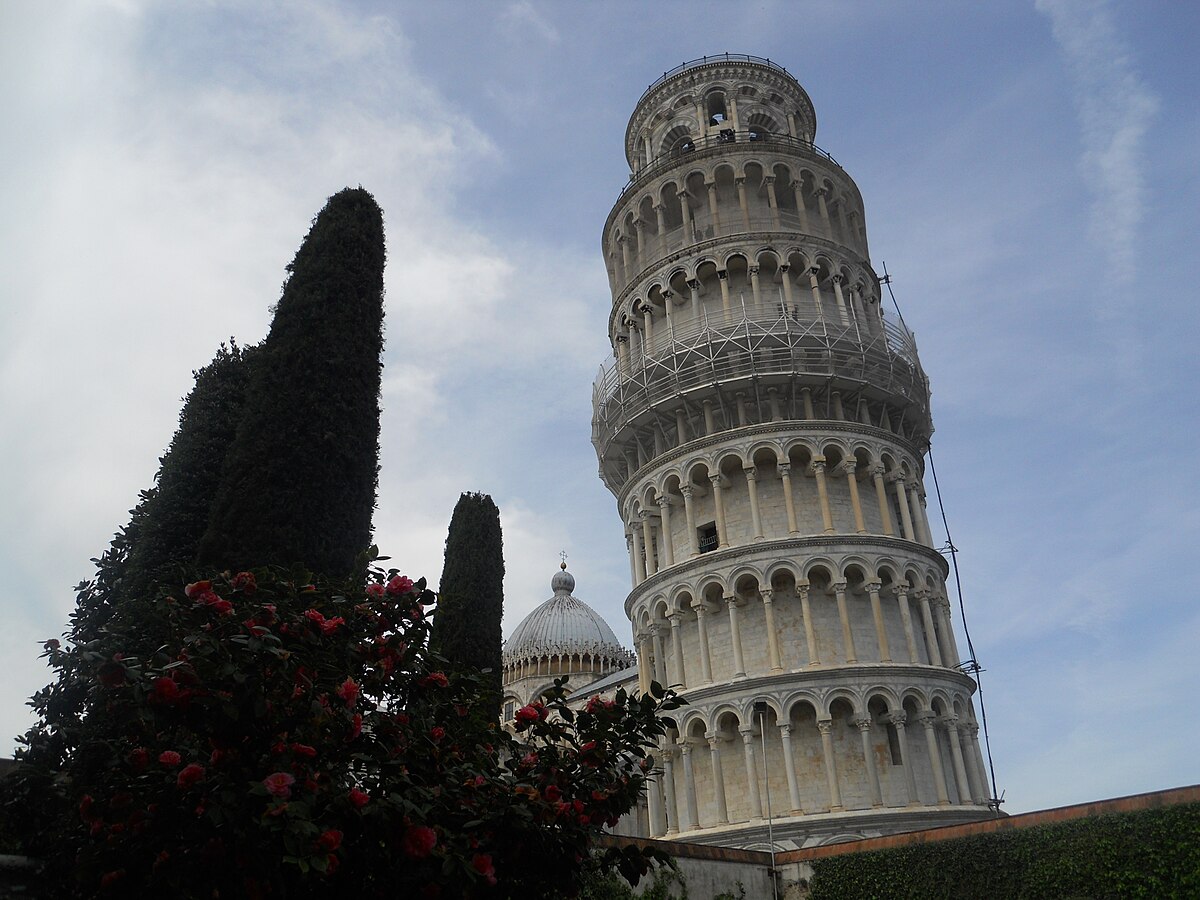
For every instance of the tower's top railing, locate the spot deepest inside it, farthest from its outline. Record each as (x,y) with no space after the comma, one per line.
(708,60)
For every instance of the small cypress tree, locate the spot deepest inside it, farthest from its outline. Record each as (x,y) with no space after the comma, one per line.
(466,626)
(300,478)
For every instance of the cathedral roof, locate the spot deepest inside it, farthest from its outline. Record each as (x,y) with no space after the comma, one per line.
(564,625)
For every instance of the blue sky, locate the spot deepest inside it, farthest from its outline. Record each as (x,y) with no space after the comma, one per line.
(1030,179)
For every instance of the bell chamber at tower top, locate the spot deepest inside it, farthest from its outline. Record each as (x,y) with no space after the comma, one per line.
(742,286)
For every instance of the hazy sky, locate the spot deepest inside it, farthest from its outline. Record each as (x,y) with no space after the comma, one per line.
(1030,177)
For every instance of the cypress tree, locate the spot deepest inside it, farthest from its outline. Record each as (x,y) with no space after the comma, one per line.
(300,478)
(466,626)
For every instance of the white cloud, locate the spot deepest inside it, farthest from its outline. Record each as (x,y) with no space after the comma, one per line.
(1115,112)
(522,17)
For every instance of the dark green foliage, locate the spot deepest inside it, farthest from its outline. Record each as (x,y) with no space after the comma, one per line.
(159,543)
(1151,853)
(300,477)
(466,630)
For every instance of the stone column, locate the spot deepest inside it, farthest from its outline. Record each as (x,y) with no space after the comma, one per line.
(818,469)
(946,631)
(691,820)
(623,241)
(712,206)
(643,662)
(920,526)
(772,634)
(660,658)
(901,501)
(931,646)
(686,211)
(633,569)
(772,200)
(885,653)
(789,764)
(658,826)
(928,721)
(824,209)
(719,508)
(623,353)
(747,732)
(981,791)
(956,756)
(885,514)
(677,649)
(639,565)
(752,488)
(640,227)
(810,635)
(661,222)
(839,591)
(714,746)
(741,189)
(815,286)
(689,513)
(664,507)
(901,591)
(825,726)
(648,542)
(864,730)
(702,632)
(849,468)
(726,300)
(754,286)
(668,782)
(789,302)
(898,721)
(694,290)
(840,299)
(785,475)
(735,637)
(801,210)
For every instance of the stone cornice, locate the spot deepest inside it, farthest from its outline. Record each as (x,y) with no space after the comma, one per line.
(774,548)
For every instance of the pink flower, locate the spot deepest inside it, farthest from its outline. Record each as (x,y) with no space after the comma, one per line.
(191,773)
(196,588)
(244,582)
(419,841)
(329,840)
(279,784)
(375,591)
(349,692)
(314,616)
(399,584)
(359,798)
(482,863)
(170,758)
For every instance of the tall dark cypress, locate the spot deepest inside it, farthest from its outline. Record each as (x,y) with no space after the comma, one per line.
(466,626)
(300,478)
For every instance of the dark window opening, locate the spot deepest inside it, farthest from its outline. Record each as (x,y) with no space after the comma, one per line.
(894,745)
(708,537)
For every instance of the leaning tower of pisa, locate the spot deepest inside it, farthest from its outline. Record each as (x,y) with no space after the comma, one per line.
(762,425)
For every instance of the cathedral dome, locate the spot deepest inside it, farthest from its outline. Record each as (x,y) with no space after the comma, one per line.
(564,626)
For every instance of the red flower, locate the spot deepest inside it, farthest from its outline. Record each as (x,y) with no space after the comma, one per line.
(112,674)
(437,733)
(139,758)
(329,840)
(331,864)
(170,758)
(399,584)
(359,798)
(85,808)
(435,678)
(419,841)
(304,750)
(329,626)
(222,607)
(165,690)
(355,727)
(108,878)
(196,588)
(314,616)
(552,792)
(527,715)
(279,784)
(244,582)
(588,747)
(191,773)
(482,863)
(349,691)
(375,591)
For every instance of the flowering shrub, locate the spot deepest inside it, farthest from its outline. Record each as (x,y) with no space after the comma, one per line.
(297,739)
